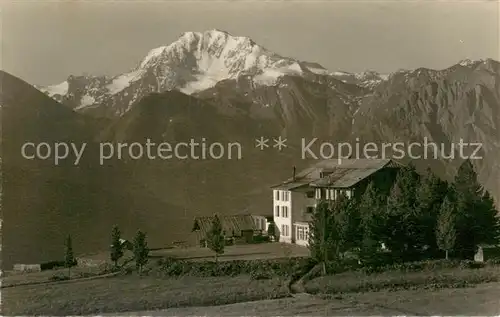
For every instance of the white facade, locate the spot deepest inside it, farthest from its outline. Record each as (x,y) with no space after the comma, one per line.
(292,211)
(282,214)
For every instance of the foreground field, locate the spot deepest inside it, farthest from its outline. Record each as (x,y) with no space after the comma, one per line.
(358,282)
(133,293)
(189,284)
(482,300)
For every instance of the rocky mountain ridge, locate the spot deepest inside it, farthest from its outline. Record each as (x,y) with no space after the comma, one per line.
(196,61)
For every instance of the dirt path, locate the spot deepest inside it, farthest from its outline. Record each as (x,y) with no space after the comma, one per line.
(482,300)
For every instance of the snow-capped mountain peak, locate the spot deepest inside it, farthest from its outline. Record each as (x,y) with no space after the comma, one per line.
(196,61)
(210,57)
(469,62)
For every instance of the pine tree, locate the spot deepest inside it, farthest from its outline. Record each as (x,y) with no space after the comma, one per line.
(69,257)
(371,212)
(402,230)
(372,222)
(445,229)
(141,251)
(215,237)
(488,221)
(409,181)
(430,195)
(466,182)
(321,234)
(116,246)
(395,236)
(346,225)
(473,226)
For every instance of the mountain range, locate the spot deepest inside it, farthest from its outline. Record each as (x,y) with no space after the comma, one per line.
(223,88)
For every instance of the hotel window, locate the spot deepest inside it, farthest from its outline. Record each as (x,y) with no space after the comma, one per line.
(327,196)
(332,194)
(277,209)
(284,211)
(318,193)
(284,230)
(300,233)
(277,195)
(287,195)
(310,194)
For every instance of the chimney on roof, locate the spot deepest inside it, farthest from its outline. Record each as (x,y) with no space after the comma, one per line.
(294,170)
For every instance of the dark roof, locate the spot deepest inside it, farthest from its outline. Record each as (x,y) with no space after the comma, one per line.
(345,174)
(291,185)
(230,224)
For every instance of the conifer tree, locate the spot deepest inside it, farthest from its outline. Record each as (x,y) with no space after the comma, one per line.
(341,231)
(371,212)
(321,234)
(69,257)
(488,221)
(372,222)
(396,235)
(141,250)
(468,200)
(402,228)
(445,229)
(116,246)
(215,237)
(430,195)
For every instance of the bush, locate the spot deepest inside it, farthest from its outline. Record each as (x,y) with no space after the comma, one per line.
(52,265)
(278,267)
(492,262)
(468,264)
(85,274)
(107,268)
(260,276)
(428,266)
(261,239)
(58,277)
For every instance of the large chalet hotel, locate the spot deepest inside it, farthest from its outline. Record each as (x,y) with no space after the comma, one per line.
(295,199)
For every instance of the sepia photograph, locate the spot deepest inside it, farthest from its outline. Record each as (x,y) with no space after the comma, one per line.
(250,158)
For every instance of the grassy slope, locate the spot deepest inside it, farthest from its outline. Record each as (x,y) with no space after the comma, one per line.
(479,301)
(133,293)
(357,281)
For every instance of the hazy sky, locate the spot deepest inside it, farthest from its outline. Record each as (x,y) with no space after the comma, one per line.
(45,42)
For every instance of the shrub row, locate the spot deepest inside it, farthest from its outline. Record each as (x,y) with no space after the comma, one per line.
(55,265)
(337,267)
(295,268)
(258,269)
(404,284)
